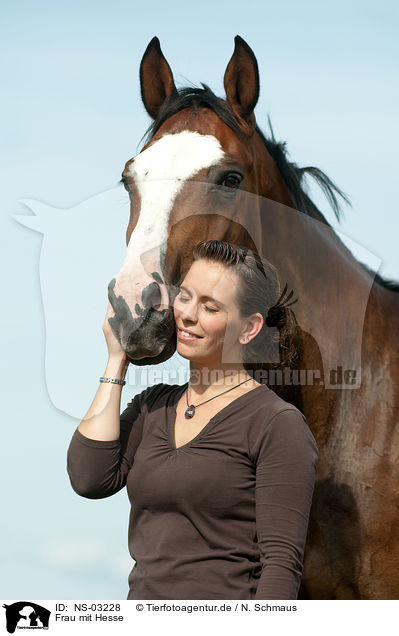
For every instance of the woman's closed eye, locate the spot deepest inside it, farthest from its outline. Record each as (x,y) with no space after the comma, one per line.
(185,300)
(210,309)
(181,297)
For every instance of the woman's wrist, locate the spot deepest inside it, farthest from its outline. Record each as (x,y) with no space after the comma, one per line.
(116,366)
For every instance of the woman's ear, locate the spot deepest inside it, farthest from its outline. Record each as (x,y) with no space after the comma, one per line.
(156,79)
(252,327)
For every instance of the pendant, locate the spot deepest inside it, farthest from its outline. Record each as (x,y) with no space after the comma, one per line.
(189,412)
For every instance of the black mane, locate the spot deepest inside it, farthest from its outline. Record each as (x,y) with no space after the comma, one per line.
(293,175)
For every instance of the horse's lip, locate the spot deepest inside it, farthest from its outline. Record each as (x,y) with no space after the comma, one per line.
(190,332)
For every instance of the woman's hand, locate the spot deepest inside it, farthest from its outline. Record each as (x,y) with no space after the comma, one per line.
(113,344)
(102,420)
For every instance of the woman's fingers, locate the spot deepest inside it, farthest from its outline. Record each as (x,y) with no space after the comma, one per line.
(112,341)
(109,314)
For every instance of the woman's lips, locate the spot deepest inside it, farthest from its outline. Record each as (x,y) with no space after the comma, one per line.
(186,338)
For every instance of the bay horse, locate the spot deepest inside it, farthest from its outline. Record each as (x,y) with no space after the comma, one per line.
(206,171)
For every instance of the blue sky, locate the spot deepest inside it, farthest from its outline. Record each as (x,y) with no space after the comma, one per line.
(71,117)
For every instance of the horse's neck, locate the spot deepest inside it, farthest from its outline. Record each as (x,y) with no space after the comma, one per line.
(347,423)
(380,359)
(345,297)
(346,323)
(333,291)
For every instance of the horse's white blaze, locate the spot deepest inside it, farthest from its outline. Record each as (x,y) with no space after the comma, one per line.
(160,172)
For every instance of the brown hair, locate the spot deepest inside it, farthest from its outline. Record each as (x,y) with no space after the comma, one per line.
(258,292)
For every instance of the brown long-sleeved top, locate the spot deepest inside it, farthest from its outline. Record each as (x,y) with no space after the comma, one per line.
(223,517)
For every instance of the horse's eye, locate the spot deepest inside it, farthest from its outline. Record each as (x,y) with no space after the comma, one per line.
(232,180)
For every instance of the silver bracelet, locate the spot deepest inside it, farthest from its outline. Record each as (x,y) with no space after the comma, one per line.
(113,380)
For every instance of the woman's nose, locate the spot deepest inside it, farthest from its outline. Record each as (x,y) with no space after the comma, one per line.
(189,311)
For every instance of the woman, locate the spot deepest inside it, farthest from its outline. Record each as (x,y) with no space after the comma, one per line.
(220,471)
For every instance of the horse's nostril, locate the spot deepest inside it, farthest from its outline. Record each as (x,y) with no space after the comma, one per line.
(151,296)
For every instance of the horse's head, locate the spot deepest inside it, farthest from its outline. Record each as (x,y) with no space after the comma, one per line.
(202,155)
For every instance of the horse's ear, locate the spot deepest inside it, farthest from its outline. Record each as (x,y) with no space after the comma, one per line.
(241,80)
(156,79)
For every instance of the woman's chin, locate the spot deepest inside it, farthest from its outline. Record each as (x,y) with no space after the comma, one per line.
(185,352)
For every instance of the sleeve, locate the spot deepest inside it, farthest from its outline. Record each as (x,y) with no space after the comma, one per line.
(286,465)
(99,469)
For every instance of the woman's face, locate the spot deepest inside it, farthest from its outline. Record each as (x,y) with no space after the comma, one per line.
(206,307)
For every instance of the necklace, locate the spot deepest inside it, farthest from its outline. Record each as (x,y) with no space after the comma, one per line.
(190,411)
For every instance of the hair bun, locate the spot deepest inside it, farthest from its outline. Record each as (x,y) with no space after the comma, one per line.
(276,316)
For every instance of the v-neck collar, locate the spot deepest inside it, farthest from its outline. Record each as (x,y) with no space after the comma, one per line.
(173,408)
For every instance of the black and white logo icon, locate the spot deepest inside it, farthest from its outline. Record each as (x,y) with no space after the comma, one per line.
(26,615)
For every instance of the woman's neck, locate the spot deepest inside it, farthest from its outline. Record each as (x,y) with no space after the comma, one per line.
(211,379)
